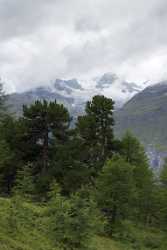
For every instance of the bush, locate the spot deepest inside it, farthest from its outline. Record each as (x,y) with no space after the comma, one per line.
(152,242)
(138,236)
(115,191)
(72,222)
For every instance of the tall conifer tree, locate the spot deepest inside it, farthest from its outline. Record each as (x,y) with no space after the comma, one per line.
(95,129)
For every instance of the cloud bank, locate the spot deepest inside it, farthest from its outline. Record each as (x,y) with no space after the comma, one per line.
(42,40)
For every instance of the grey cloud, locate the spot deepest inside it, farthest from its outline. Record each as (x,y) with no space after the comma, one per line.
(19,18)
(87,23)
(133,42)
(43,39)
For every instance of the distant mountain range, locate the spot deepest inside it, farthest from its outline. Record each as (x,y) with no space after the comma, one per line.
(139,108)
(74,93)
(146,116)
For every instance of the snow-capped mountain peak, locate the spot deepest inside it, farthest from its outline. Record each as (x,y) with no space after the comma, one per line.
(75,92)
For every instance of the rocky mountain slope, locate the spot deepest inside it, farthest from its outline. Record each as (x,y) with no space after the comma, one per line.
(146,116)
(74,93)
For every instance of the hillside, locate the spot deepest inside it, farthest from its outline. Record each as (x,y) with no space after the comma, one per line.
(146,116)
(31,233)
(73,93)
(15,101)
(145,113)
(51,201)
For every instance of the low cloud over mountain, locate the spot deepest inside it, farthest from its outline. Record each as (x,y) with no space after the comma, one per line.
(43,40)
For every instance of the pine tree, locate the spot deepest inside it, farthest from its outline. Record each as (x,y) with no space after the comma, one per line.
(95,129)
(42,124)
(68,167)
(7,155)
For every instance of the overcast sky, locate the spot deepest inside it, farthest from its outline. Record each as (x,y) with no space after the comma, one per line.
(41,40)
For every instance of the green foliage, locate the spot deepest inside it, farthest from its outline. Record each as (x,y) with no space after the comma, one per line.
(44,122)
(115,187)
(31,232)
(160,199)
(140,237)
(72,221)
(21,226)
(104,185)
(42,126)
(7,169)
(69,168)
(163,174)
(132,150)
(15,213)
(134,153)
(24,184)
(95,129)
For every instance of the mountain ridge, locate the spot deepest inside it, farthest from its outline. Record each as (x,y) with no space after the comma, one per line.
(145,115)
(73,93)
(142,111)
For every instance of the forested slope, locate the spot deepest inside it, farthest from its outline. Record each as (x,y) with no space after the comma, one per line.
(75,188)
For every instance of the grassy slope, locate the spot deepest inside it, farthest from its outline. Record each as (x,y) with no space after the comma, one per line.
(6,243)
(32,236)
(25,238)
(102,243)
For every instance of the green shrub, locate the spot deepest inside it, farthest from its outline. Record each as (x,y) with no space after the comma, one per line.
(72,221)
(152,241)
